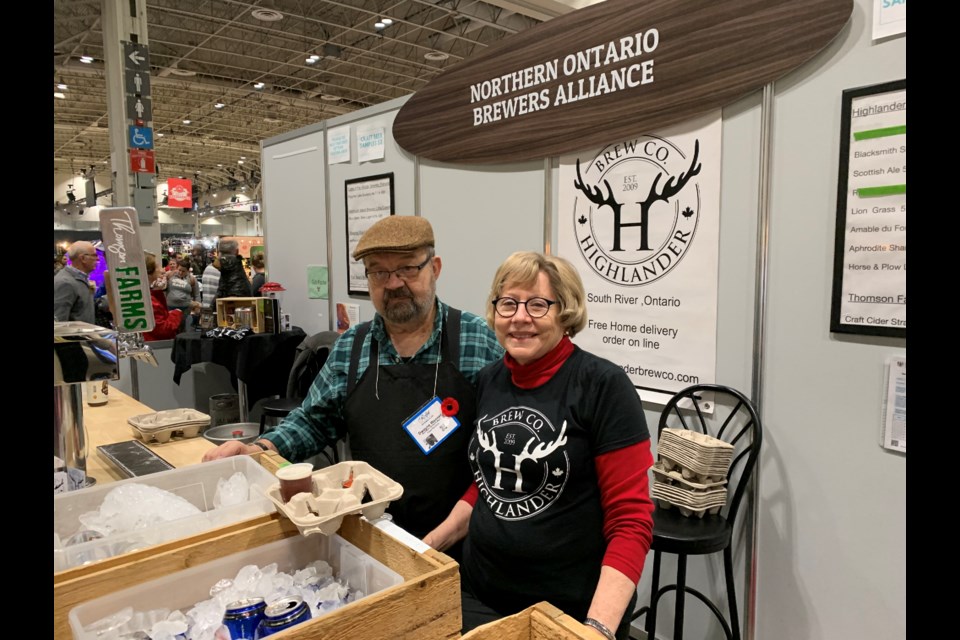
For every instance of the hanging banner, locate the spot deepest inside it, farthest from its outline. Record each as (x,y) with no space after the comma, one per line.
(128,289)
(180,193)
(640,219)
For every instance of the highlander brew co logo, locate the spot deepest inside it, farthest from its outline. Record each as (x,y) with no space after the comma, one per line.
(640,210)
(519,462)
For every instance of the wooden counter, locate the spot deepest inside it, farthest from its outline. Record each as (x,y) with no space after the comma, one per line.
(107,424)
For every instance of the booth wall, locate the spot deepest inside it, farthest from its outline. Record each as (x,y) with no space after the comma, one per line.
(295,235)
(830,559)
(832,525)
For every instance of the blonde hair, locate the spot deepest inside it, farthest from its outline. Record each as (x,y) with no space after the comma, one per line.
(151,262)
(524,267)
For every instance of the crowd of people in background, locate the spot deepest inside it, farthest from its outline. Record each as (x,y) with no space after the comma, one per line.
(187,284)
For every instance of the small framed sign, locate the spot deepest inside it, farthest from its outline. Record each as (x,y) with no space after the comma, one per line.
(870,251)
(368,200)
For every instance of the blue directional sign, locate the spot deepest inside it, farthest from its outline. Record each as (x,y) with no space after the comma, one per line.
(141,137)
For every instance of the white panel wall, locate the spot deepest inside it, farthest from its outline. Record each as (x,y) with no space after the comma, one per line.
(295,224)
(833,503)
(480,215)
(396,161)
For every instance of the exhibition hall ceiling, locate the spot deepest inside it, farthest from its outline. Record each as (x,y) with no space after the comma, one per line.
(238,70)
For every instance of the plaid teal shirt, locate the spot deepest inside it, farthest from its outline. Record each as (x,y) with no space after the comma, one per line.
(319,420)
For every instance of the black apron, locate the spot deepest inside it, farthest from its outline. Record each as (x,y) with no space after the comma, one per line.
(434,482)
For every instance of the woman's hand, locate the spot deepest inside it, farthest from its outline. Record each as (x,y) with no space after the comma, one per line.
(452,529)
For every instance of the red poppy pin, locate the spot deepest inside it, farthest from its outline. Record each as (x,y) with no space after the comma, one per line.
(450,407)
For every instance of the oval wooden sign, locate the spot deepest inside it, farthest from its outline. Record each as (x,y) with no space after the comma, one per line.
(614,69)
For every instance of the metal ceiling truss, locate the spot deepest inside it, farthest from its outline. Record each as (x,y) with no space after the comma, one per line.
(207,52)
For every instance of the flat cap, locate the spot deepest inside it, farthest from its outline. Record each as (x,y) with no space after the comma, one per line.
(395,234)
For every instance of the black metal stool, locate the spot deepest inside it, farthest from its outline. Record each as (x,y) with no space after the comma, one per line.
(683,536)
(278,408)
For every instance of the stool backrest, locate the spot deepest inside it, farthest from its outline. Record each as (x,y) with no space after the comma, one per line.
(311,355)
(728,415)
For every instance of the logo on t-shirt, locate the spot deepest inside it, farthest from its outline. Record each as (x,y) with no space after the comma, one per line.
(520,463)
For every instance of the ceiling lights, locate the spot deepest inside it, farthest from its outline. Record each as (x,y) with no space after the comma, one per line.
(259,86)
(313,59)
(187,121)
(266,15)
(60,95)
(383,23)
(85,59)
(435,56)
(62,85)
(219,105)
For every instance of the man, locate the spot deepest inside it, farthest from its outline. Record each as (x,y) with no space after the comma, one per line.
(233,279)
(209,283)
(402,386)
(72,290)
(198,260)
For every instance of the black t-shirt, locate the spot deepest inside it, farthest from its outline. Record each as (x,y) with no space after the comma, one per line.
(536,532)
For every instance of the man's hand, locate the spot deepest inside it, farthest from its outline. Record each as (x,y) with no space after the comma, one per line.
(227,449)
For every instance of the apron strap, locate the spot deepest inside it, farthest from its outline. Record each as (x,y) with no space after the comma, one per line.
(451,332)
(449,348)
(358,337)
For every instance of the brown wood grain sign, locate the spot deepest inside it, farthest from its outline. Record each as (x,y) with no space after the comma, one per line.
(615,69)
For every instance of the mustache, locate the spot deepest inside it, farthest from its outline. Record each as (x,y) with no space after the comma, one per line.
(392,294)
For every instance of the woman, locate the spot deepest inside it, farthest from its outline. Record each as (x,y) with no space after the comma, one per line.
(182,289)
(560,456)
(166,323)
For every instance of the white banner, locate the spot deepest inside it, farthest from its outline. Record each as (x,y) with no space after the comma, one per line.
(640,219)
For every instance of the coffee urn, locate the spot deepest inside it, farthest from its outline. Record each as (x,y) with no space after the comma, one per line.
(82,353)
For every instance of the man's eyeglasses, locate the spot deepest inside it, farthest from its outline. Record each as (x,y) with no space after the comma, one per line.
(536,307)
(404,273)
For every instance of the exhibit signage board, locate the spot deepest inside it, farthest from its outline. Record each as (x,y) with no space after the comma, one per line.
(129,288)
(640,220)
(609,71)
(368,200)
(870,252)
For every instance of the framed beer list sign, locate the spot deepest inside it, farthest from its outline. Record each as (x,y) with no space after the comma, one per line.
(870,251)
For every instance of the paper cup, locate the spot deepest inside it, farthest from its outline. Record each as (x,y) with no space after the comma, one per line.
(294,479)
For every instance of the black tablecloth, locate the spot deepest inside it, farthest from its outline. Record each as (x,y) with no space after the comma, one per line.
(261,360)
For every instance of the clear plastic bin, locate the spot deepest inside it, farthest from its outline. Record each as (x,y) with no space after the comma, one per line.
(196,483)
(184,589)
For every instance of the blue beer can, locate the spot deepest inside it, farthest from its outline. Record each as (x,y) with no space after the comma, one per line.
(283,614)
(242,617)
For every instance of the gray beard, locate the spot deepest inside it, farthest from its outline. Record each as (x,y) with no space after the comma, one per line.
(405,307)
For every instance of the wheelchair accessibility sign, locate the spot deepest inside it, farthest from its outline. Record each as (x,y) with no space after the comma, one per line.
(141,137)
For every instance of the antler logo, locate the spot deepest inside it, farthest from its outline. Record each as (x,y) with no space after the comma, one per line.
(520,462)
(626,237)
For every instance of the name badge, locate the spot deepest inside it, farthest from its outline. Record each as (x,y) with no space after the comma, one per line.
(429,427)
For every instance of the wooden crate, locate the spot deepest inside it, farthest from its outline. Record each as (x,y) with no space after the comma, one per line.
(426,606)
(542,621)
(265,313)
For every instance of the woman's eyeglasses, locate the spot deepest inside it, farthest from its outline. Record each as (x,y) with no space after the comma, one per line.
(536,307)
